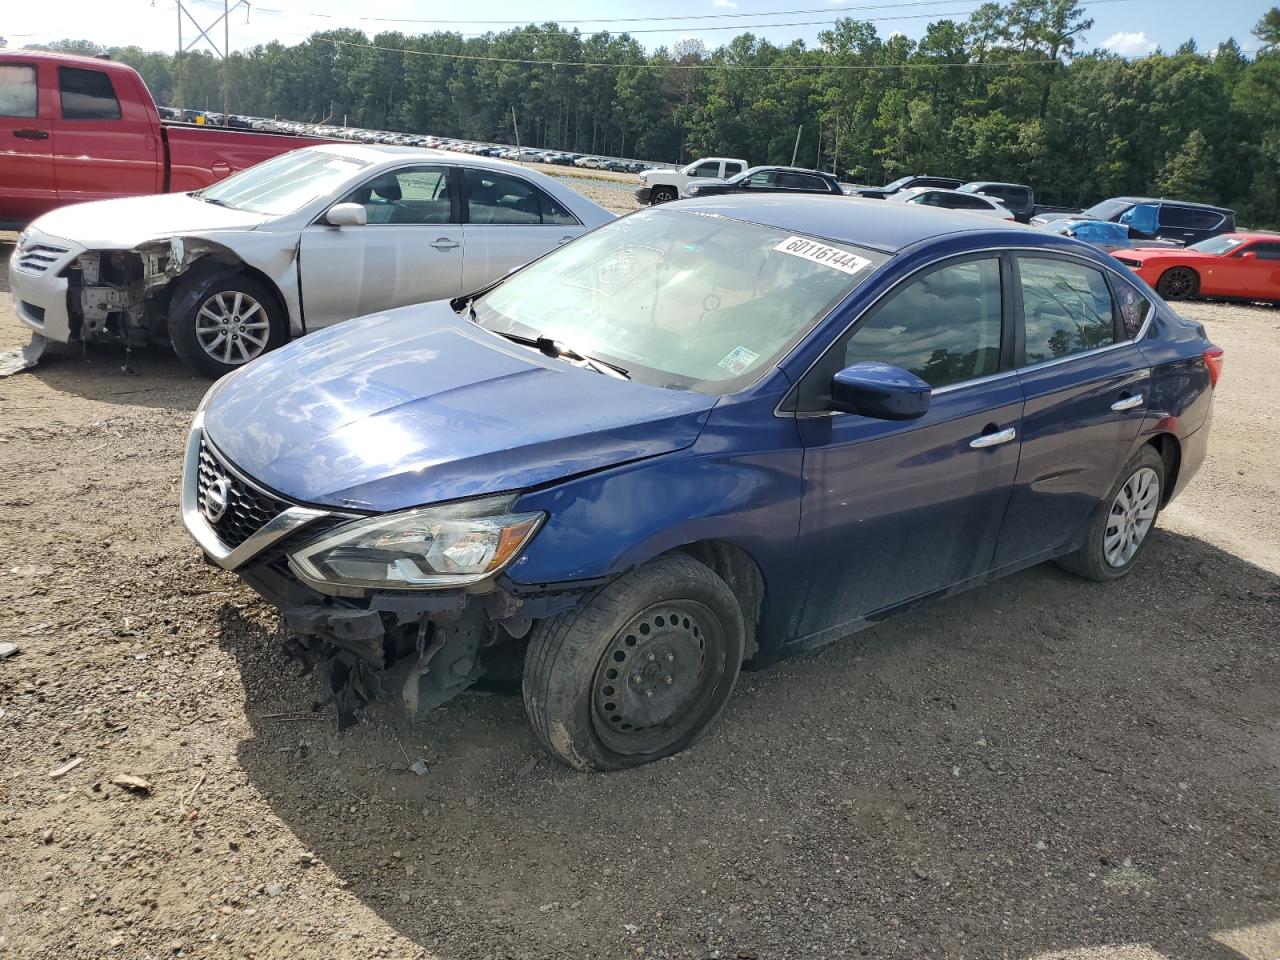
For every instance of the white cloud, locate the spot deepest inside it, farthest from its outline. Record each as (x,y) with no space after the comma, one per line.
(1134,43)
(723,3)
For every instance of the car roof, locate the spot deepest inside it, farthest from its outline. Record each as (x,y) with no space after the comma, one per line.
(775,166)
(993,183)
(916,191)
(875,224)
(1181,203)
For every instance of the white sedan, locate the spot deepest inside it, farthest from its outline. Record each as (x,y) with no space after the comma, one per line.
(297,243)
(953,200)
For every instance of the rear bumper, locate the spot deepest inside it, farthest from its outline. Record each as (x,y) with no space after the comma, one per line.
(643,194)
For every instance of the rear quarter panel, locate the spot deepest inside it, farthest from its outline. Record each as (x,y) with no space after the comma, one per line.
(1181,399)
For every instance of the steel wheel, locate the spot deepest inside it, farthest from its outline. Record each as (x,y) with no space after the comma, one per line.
(232,327)
(1178,284)
(1132,513)
(654,675)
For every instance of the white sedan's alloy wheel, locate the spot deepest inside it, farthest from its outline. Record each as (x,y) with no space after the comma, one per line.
(232,327)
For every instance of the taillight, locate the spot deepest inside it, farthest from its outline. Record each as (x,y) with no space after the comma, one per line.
(1213,360)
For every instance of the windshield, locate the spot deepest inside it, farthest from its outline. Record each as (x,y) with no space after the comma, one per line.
(899,183)
(1107,210)
(1218,246)
(285,183)
(680,300)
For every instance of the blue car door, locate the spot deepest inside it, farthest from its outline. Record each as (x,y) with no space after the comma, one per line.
(892,511)
(1086,384)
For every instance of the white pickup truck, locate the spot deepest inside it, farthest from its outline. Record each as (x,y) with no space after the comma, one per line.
(660,186)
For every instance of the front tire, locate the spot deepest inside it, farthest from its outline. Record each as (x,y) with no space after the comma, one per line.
(640,671)
(1178,283)
(663,195)
(1123,524)
(229,322)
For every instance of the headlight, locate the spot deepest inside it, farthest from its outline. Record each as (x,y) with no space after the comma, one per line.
(692,189)
(443,546)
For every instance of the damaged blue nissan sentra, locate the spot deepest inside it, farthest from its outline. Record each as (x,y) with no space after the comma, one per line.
(717,431)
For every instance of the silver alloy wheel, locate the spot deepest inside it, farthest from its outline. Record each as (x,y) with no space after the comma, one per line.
(232,327)
(1132,513)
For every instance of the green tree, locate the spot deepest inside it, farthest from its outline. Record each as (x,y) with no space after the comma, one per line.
(1188,173)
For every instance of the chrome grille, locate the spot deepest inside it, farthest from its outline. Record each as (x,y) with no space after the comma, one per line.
(248,509)
(39,257)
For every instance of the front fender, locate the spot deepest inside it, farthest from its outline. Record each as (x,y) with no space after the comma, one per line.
(740,483)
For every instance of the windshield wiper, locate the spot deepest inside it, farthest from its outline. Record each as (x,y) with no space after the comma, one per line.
(214,200)
(554,348)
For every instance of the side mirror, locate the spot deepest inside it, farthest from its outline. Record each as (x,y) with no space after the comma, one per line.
(1249,255)
(347,215)
(880,391)
(1144,219)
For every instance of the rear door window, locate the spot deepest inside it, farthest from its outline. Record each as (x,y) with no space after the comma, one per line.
(1188,218)
(494,197)
(17,90)
(799,181)
(87,95)
(1066,308)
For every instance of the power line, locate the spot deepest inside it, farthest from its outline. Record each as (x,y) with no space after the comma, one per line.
(903,4)
(684,66)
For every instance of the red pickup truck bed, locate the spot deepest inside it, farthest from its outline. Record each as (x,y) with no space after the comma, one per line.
(77,128)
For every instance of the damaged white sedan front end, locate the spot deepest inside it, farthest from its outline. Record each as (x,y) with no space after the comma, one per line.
(302,241)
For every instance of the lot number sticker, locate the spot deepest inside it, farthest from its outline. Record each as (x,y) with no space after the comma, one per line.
(816,252)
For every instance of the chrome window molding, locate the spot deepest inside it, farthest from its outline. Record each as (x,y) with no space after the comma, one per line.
(1052,253)
(228,558)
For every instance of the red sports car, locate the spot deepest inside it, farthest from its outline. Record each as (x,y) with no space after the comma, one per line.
(1235,266)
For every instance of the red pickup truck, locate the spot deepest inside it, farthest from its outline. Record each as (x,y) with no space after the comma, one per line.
(80,128)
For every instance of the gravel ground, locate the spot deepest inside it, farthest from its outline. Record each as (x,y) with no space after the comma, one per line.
(1039,768)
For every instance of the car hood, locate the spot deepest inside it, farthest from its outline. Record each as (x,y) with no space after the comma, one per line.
(418,406)
(1148,254)
(130,221)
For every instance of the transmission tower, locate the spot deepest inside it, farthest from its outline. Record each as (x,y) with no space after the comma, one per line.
(206,34)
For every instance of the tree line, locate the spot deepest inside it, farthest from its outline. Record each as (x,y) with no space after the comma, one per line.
(1004,94)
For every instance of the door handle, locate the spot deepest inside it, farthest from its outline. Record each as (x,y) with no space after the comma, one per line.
(444,243)
(993,439)
(32,134)
(564,239)
(1128,403)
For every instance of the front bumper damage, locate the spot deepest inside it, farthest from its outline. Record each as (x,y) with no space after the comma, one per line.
(416,649)
(66,292)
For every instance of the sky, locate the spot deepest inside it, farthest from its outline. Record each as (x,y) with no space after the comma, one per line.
(1129,27)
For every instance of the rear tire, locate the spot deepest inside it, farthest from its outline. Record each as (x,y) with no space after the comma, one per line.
(1128,512)
(641,670)
(1178,283)
(230,321)
(663,195)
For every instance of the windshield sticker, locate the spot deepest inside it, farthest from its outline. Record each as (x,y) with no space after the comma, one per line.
(816,252)
(738,360)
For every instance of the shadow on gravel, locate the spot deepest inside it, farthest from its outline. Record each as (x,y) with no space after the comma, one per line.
(1039,765)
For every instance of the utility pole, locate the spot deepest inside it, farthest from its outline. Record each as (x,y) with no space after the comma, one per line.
(796,148)
(516,128)
(205,33)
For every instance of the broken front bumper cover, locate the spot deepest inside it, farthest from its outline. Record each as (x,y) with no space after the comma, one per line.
(418,648)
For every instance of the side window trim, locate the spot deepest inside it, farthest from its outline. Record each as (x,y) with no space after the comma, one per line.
(792,401)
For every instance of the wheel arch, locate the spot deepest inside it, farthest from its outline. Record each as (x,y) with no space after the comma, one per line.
(737,568)
(1170,450)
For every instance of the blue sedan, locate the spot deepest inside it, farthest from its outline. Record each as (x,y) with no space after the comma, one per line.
(717,432)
